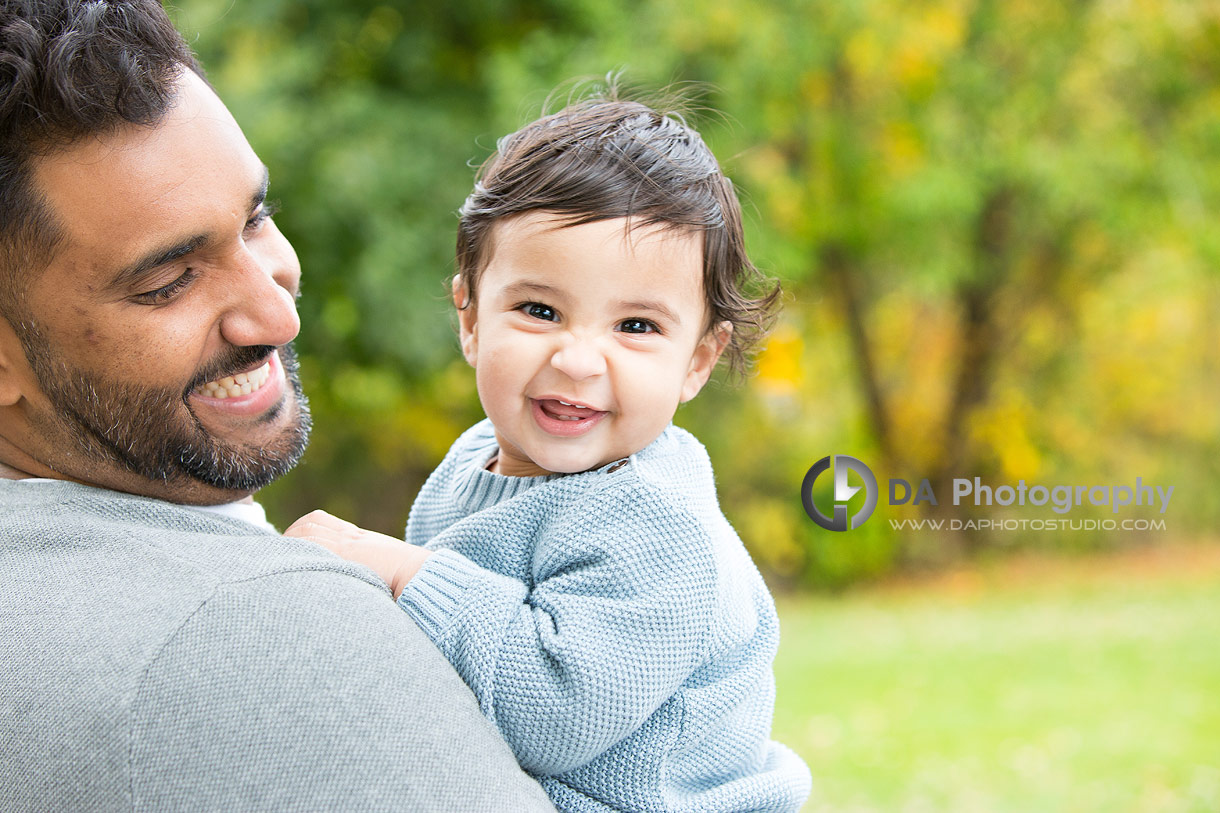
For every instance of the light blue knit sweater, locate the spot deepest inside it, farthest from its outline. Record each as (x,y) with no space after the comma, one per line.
(612,626)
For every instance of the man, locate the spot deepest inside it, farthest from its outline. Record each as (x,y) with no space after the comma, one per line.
(161,647)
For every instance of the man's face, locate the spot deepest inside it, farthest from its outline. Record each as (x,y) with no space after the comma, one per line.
(171,282)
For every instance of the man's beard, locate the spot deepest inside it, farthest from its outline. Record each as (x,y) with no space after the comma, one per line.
(155,434)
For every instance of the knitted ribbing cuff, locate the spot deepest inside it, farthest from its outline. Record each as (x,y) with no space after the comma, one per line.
(446,583)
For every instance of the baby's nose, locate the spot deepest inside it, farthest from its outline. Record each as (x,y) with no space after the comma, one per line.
(579,359)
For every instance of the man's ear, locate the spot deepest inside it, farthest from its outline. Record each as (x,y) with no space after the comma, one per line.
(468,329)
(704,359)
(14,369)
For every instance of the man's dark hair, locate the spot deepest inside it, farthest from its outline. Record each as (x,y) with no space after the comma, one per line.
(70,69)
(604,158)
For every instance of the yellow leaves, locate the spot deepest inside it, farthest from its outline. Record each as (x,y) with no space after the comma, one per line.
(246,57)
(925,43)
(781,188)
(765,163)
(770,528)
(945,27)
(913,65)
(724,18)
(901,148)
(701,26)
(1143,350)
(1003,430)
(815,89)
(395,423)
(864,52)
(780,370)
(913,344)
(907,52)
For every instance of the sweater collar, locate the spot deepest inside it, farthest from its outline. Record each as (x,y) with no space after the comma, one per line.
(476,488)
(125,507)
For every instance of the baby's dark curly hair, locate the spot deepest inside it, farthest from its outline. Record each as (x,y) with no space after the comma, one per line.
(603,158)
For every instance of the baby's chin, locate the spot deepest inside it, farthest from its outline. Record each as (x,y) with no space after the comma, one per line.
(577,468)
(571,464)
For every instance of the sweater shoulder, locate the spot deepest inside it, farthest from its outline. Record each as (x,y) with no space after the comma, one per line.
(651,501)
(324,665)
(208,658)
(670,479)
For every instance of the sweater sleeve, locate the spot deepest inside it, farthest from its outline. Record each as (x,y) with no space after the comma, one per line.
(308,690)
(616,618)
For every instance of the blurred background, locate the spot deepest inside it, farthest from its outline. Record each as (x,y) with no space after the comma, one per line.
(995,225)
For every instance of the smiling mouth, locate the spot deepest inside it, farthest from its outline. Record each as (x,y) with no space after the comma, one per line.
(564,411)
(563,419)
(234,386)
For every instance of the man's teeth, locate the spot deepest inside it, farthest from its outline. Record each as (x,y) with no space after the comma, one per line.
(232,386)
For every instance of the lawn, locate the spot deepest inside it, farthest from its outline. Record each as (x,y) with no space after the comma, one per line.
(1028,685)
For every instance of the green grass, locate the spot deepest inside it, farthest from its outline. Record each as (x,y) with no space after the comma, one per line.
(1073,685)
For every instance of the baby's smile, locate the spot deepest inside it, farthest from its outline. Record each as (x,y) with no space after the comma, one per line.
(564,418)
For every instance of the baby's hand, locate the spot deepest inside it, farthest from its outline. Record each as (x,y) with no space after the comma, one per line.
(392,559)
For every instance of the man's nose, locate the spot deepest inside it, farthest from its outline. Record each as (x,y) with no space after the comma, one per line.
(579,358)
(263,309)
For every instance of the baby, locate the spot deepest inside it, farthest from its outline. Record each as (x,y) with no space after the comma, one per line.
(569,556)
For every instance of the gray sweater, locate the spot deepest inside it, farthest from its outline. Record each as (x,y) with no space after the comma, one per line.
(157,657)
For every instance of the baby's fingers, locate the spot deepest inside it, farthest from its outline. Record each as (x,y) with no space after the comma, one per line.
(319,524)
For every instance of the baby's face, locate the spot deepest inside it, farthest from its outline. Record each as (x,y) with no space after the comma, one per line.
(585,339)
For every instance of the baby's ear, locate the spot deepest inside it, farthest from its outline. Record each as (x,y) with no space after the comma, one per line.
(704,359)
(468,332)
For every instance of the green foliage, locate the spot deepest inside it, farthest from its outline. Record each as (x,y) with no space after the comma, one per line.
(992,220)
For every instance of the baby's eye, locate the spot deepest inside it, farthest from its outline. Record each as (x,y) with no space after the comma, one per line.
(637,326)
(539,311)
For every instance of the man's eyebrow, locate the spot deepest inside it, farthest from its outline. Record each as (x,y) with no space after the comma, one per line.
(155,259)
(260,194)
(158,257)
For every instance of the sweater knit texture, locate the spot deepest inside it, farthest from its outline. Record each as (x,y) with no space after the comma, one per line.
(611,624)
(156,657)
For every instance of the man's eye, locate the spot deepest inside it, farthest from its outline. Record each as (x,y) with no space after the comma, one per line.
(264,213)
(539,311)
(638,326)
(167,292)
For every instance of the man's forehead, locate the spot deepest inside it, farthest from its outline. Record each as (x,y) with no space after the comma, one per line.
(119,194)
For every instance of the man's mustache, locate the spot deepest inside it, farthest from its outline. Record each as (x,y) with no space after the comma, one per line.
(231,363)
